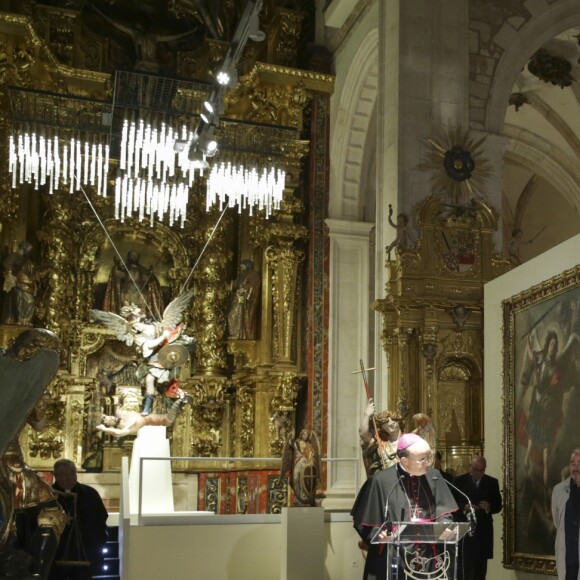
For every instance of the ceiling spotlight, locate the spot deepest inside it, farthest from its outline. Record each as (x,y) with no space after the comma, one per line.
(211,148)
(254,32)
(208,107)
(179,145)
(197,158)
(223,78)
(205,118)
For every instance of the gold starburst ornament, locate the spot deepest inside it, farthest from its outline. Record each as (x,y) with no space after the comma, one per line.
(460,166)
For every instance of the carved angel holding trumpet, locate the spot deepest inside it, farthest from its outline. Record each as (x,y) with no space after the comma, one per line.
(162,345)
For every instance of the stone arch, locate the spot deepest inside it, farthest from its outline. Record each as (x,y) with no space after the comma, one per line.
(550,164)
(546,23)
(349,141)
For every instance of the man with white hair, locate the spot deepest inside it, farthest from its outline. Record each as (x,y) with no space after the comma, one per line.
(566,515)
(410,491)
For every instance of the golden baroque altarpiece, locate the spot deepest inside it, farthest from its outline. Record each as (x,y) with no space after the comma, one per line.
(54,54)
(433,323)
(58,60)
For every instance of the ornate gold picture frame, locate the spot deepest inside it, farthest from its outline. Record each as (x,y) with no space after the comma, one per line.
(541,403)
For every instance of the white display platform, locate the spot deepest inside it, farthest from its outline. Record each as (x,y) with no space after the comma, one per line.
(157,486)
(303,543)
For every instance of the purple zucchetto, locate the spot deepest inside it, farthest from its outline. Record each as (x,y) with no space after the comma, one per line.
(407,440)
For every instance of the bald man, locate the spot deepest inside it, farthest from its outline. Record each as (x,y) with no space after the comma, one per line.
(412,490)
(483,491)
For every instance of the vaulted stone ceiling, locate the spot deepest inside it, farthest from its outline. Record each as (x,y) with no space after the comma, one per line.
(542,160)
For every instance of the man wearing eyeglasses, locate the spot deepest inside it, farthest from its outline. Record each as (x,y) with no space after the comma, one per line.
(410,491)
(485,496)
(566,515)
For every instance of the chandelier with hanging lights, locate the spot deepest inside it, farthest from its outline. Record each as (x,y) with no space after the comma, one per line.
(159,157)
(155,172)
(236,185)
(41,158)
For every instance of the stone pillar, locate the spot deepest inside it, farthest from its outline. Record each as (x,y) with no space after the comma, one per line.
(349,342)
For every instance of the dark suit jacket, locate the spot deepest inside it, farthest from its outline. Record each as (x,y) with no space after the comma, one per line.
(480,545)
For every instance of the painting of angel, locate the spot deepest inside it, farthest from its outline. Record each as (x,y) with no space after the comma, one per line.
(542,380)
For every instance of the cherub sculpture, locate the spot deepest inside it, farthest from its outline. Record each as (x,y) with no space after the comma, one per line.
(301,460)
(127,422)
(459,314)
(403,238)
(150,336)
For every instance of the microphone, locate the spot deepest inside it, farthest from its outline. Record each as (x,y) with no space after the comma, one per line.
(389,524)
(471,515)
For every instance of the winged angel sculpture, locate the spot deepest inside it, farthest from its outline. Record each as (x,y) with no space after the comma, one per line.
(301,460)
(158,367)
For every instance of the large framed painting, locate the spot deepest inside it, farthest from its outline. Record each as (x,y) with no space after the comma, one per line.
(541,410)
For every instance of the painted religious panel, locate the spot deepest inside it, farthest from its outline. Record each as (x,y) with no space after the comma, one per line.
(541,402)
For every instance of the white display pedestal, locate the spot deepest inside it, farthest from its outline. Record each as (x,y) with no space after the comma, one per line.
(303,543)
(157,486)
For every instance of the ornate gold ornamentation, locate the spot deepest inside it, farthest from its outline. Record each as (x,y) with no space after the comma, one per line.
(284,262)
(48,442)
(288,34)
(426,330)
(460,166)
(277,494)
(207,60)
(52,49)
(245,396)
(209,406)
(58,238)
(212,494)
(242,495)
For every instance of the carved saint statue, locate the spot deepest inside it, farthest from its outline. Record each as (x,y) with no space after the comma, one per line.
(20,279)
(127,422)
(243,313)
(145,42)
(379,448)
(150,336)
(301,460)
(133,283)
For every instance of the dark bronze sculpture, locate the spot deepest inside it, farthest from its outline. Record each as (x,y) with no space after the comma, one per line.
(32,520)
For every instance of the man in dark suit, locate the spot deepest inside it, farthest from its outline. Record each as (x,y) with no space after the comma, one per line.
(437,465)
(484,494)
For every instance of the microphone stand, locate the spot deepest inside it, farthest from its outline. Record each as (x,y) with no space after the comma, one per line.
(387,524)
(471,515)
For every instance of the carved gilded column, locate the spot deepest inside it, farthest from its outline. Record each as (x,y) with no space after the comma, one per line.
(284,261)
(284,258)
(210,295)
(428,345)
(245,419)
(59,253)
(209,404)
(405,396)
